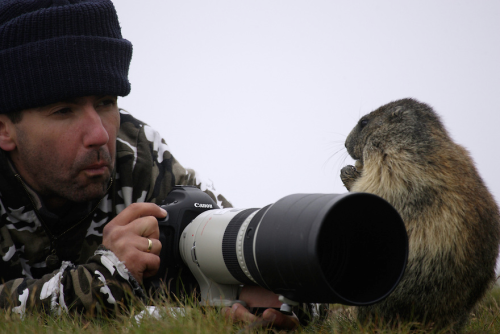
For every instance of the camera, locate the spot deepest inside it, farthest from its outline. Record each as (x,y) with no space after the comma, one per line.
(347,248)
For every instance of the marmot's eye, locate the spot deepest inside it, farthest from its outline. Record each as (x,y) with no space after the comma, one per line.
(362,123)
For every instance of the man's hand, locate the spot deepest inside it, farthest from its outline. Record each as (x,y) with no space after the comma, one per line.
(127,236)
(255,296)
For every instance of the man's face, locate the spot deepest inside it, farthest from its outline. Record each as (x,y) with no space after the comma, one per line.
(66,151)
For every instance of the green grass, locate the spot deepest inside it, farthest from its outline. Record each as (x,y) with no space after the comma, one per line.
(484,319)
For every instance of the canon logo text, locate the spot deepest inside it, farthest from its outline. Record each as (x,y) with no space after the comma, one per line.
(199,205)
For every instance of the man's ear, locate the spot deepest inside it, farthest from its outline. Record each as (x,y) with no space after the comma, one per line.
(7,133)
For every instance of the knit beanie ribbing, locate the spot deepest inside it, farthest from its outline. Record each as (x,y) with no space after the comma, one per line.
(51,50)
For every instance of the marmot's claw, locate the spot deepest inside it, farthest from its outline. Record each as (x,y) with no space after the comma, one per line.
(348,175)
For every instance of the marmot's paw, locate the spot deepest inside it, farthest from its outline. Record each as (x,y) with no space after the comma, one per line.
(348,175)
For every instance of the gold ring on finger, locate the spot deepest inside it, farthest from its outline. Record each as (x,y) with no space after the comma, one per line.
(150,245)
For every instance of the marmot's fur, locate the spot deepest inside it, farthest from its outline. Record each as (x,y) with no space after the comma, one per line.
(404,155)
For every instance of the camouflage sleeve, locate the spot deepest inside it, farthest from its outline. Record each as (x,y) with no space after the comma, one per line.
(148,167)
(189,177)
(100,286)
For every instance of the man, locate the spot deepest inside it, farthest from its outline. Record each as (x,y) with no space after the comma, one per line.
(80,180)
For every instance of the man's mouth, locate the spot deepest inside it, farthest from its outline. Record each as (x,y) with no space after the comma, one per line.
(96,169)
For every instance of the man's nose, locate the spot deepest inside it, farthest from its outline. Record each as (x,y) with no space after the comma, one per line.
(95,134)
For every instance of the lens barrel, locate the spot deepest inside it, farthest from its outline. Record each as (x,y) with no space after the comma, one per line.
(350,249)
(322,248)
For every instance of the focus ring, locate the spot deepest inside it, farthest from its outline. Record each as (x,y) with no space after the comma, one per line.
(229,247)
(248,247)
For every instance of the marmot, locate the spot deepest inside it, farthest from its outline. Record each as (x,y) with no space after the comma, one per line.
(404,155)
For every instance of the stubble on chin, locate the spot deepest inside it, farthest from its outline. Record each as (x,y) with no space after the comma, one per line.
(93,190)
(87,188)
(77,186)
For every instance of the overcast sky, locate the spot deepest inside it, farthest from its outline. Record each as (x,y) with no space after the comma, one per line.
(260,95)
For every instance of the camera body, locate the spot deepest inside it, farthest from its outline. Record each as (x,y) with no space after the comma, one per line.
(316,248)
(183,204)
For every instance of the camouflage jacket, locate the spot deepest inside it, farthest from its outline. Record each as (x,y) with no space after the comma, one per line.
(54,262)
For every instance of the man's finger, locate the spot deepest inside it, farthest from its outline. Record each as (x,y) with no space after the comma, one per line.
(145,227)
(152,262)
(270,317)
(140,263)
(150,245)
(138,210)
(238,312)
(135,234)
(280,320)
(141,244)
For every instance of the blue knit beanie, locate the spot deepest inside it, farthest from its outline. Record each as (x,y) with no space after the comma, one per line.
(51,50)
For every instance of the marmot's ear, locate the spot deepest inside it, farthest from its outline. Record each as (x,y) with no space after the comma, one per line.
(398,112)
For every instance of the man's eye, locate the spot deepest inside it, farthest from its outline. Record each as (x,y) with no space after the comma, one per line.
(62,111)
(107,103)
